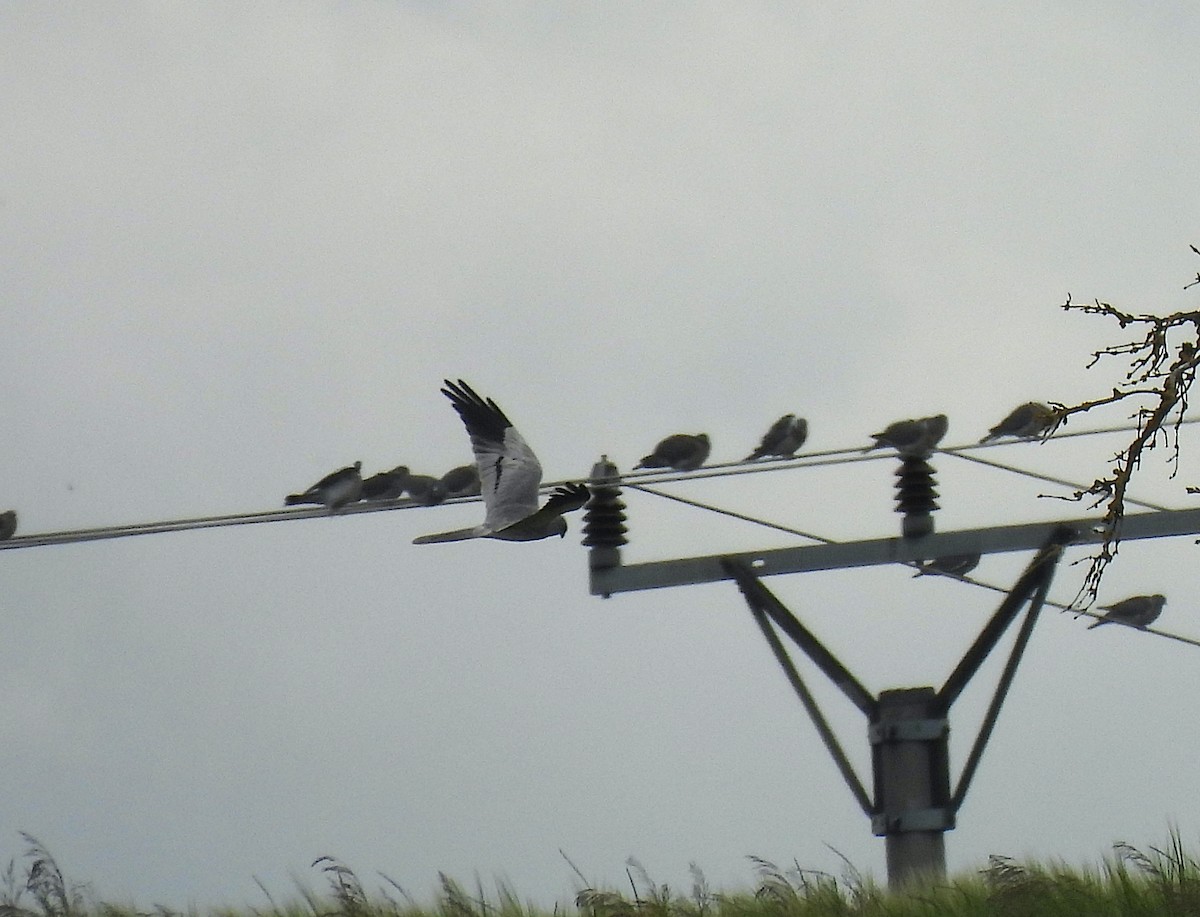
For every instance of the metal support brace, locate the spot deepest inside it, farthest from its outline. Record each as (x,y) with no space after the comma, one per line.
(1045,565)
(908,729)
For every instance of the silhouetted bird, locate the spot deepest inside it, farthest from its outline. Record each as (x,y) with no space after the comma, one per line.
(334,490)
(1136,611)
(462,481)
(954,564)
(912,437)
(681,451)
(786,435)
(1029,420)
(8,524)
(387,485)
(510,474)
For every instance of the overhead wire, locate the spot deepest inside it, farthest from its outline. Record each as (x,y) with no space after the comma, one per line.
(636,480)
(818,459)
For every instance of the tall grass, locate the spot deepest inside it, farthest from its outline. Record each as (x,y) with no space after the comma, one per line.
(1157,881)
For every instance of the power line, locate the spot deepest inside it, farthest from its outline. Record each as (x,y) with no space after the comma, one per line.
(818,459)
(830,457)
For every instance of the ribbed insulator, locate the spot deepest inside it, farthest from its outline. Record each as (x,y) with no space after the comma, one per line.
(915,495)
(604,519)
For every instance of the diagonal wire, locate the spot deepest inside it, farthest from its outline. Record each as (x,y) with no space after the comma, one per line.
(1078,488)
(729,512)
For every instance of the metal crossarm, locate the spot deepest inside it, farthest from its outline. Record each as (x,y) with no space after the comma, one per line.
(1026,537)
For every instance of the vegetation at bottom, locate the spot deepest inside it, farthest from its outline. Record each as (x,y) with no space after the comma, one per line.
(1157,881)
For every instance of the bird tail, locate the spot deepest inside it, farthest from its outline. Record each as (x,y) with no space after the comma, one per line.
(456,535)
(293,499)
(1097,623)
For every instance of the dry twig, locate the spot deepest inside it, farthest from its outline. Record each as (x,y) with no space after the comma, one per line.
(1163,356)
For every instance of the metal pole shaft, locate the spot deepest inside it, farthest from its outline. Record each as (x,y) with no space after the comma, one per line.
(912,784)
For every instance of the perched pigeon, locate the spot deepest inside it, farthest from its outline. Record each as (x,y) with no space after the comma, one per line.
(954,565)
(462,481)
(912,437)
(681,451)
(510,474)
(387,485)
(786,435)
(424,489)
(8,524)
(334,490)
(1137,611)
(1028,421)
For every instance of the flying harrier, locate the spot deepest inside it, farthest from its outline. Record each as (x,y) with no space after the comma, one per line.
(509,475)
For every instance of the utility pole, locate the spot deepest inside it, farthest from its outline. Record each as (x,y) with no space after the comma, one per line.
(912,803)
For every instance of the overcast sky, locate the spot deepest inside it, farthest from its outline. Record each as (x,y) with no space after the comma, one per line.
(244,243)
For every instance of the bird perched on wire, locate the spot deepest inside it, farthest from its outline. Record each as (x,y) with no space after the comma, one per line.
(462,481)
(1027,421)
(424,489)
(387,485)
(510,474)
(680,451)
(954,565)
(912,437)
(782,440)
(1136,611)
(8,524)
(334,491)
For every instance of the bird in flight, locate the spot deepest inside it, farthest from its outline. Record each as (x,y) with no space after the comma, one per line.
(1027,421)
(334,491)
(1136,611)
(509,475)
(786,435)
(680,451)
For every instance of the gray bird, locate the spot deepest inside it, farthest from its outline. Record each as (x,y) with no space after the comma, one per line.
(424,489)
(1136,611)
(680,451)
(1027,421)
(786,435)
(8,524)
(334,490)
(510,474)
(462,481)
(912,437)
(954,565)
(387,485)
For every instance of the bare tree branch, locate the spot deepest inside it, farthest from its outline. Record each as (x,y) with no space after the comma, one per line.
(1162,360)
